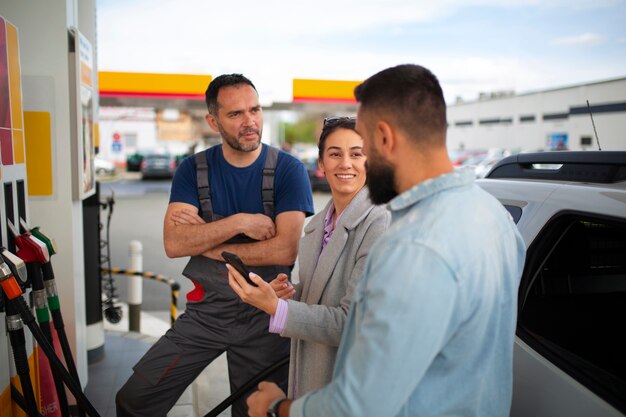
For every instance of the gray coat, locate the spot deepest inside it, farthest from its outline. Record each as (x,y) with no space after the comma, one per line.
(315,322)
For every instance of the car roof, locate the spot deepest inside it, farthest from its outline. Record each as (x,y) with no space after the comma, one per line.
(582,166)
(592,183)
(540,201)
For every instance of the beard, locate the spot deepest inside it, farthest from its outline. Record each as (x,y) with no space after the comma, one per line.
(381,179)
(234,142)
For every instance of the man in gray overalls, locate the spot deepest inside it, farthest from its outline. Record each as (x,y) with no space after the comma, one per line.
(241,197)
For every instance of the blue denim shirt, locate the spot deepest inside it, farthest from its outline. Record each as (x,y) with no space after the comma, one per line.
(432,323)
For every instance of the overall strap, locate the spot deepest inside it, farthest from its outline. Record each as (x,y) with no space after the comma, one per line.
(203,183)
(271,158)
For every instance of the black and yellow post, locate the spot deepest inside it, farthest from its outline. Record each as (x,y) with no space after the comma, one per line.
(174,286)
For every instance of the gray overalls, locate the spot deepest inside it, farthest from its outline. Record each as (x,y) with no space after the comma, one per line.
(218,321)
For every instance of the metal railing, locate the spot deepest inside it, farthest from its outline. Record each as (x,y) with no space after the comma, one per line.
(174,286)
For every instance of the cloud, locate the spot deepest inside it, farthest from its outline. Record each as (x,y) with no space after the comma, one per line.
(211,20)
(584,39)
(273,42)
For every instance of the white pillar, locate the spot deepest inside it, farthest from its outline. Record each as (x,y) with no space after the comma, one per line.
(135,286)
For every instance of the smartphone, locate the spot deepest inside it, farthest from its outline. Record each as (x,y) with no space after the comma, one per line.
(238,264)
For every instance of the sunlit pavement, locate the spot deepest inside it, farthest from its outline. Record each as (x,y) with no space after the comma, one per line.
(123,349)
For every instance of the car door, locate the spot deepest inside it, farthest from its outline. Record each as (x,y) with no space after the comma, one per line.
(569,357)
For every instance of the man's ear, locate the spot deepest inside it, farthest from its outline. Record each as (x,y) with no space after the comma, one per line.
(212,121)
(387,139)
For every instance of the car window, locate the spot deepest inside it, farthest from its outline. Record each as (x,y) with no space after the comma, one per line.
(514,211)
(572,306)
(158,157)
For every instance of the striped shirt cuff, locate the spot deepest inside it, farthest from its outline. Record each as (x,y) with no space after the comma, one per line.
(278,320)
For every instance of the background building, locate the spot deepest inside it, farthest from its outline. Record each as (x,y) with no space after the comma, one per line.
(546,120)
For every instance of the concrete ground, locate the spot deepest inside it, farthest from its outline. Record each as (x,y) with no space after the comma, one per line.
(123,349)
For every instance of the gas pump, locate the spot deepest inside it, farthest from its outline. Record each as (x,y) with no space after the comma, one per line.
(13,293)
(35,253)
(52,294)
(15,328)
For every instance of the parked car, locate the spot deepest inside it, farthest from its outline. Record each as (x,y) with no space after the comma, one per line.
(570,350)
(156,165)
(316,175)
(103,167)
(482,167)
(178,158)
(460,156)
(133,161)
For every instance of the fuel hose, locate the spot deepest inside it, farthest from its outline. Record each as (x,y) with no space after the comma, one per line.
(13,292)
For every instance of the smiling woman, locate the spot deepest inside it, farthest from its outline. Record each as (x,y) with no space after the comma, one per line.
(342,160)
(332,256)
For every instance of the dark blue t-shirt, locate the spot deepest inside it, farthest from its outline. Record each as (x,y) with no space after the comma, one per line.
(238,190)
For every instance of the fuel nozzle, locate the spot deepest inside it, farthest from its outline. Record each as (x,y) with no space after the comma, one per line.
(17,266)
(41,235)
(8,282)
(30,249)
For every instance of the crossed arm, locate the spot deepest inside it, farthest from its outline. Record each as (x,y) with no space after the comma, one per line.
(186,234)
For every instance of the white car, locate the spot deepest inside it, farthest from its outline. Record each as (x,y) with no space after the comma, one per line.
(570,348)
(103,167)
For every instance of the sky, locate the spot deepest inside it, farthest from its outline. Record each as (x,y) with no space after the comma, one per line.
(472,46)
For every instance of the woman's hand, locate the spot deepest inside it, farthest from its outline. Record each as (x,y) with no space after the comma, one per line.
(282,287)
(262,297)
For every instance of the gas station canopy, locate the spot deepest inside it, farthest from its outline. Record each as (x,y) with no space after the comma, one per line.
(186,92)
(134,89)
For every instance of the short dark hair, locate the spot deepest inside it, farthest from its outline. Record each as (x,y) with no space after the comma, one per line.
(225,80)
(330,125)
(410,95)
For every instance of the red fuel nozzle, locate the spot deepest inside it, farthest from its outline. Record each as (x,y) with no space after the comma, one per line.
(8,282)
(29,250)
